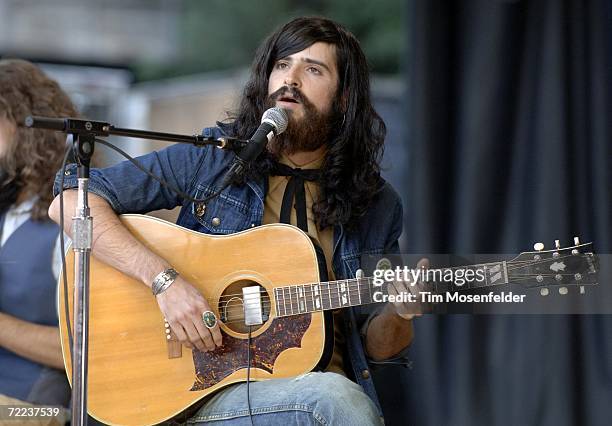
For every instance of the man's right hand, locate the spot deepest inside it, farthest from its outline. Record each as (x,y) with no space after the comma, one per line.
(182,305)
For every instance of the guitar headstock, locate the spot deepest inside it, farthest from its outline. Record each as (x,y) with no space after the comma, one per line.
(560,267)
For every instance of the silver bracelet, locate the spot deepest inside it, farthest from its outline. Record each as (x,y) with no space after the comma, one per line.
(163,280)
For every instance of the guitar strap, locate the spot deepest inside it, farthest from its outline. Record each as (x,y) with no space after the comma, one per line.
(328,316)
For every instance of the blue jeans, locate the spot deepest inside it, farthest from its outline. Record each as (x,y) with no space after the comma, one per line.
(310,399)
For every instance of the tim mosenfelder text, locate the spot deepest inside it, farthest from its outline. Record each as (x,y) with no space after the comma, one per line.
(457,276)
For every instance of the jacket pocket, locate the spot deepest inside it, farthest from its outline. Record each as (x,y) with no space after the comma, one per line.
(225,214)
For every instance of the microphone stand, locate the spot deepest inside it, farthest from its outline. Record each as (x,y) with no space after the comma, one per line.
(84,133)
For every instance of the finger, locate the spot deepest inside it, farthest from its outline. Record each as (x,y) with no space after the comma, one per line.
(392,288)
(178,331)
(204,336)
(402,287)
(216,334)
(423,265)
(215,331)
(194,337)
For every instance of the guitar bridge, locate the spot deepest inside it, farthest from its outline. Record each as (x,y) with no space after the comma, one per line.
(251,297)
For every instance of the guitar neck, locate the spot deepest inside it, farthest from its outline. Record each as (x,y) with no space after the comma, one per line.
(322,296)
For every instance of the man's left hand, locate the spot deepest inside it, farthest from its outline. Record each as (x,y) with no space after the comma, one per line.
(408,310)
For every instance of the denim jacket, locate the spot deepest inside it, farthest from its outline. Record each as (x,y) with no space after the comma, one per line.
(198,171)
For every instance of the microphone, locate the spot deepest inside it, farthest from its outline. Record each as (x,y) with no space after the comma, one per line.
(273,122)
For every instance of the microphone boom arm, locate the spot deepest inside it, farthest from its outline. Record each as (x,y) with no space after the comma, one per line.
(102,129)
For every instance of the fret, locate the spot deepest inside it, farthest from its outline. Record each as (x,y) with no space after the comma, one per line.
(496,273)
(290,300)
(277,300)
(467,285)
(348,288)
(486,274)
(343,298)
(359,289)
(316,297)
(505,268)
(371,299)
(282,292)
(309,301)
(277,292)
(285,302)
(296,296)
(301,298)
(331,302)
(476,283)
(339,304)
(440,287)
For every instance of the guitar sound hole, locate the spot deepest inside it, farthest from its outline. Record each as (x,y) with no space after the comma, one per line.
(231,306)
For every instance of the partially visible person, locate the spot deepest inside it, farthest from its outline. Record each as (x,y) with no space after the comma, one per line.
(30,352)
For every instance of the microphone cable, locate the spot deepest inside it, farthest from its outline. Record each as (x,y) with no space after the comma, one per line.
(248,382)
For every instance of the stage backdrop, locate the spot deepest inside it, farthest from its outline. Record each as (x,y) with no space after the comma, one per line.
(510,143)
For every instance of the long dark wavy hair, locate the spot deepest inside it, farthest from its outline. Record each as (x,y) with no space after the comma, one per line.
(33,155)
(351,171)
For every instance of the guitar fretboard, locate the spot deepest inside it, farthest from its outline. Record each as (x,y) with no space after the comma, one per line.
(314,297)
(305,298)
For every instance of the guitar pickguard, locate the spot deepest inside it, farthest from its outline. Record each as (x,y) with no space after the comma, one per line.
(283,333)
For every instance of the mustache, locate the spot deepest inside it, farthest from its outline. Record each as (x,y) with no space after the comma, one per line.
(295,93)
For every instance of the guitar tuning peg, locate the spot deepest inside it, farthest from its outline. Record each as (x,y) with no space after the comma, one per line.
(582,291)
(563,291)
(538,246)
(543,291)
(557,244)
(576,243)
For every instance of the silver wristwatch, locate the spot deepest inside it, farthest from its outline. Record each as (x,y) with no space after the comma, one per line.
(163,280)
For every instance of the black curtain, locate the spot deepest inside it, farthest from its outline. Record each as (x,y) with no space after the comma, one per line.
(510,136)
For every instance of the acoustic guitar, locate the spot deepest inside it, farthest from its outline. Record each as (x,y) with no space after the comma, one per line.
(265,279)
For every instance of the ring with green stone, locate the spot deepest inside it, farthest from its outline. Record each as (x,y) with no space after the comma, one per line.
(209,319)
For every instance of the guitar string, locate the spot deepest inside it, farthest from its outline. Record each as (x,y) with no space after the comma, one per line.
(356,284)
(339,299)
(370,278)
(307,300)
(307,311)
(511,267)
(537,262)
(355,288)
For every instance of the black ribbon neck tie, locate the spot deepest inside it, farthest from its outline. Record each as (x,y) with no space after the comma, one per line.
(295,188)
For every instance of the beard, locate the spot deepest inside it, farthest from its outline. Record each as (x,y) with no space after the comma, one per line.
(305,134)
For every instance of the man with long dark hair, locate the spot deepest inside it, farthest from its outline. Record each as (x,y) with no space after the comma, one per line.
(30,353)
(315,70)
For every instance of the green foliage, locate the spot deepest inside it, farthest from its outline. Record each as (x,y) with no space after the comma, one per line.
(224,34)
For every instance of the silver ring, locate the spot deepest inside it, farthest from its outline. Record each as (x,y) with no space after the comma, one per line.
(209,319)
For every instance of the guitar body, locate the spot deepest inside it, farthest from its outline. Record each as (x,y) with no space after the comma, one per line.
(139,374)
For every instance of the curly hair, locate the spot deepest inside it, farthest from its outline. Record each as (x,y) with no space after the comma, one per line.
(351,170)
(32,157)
